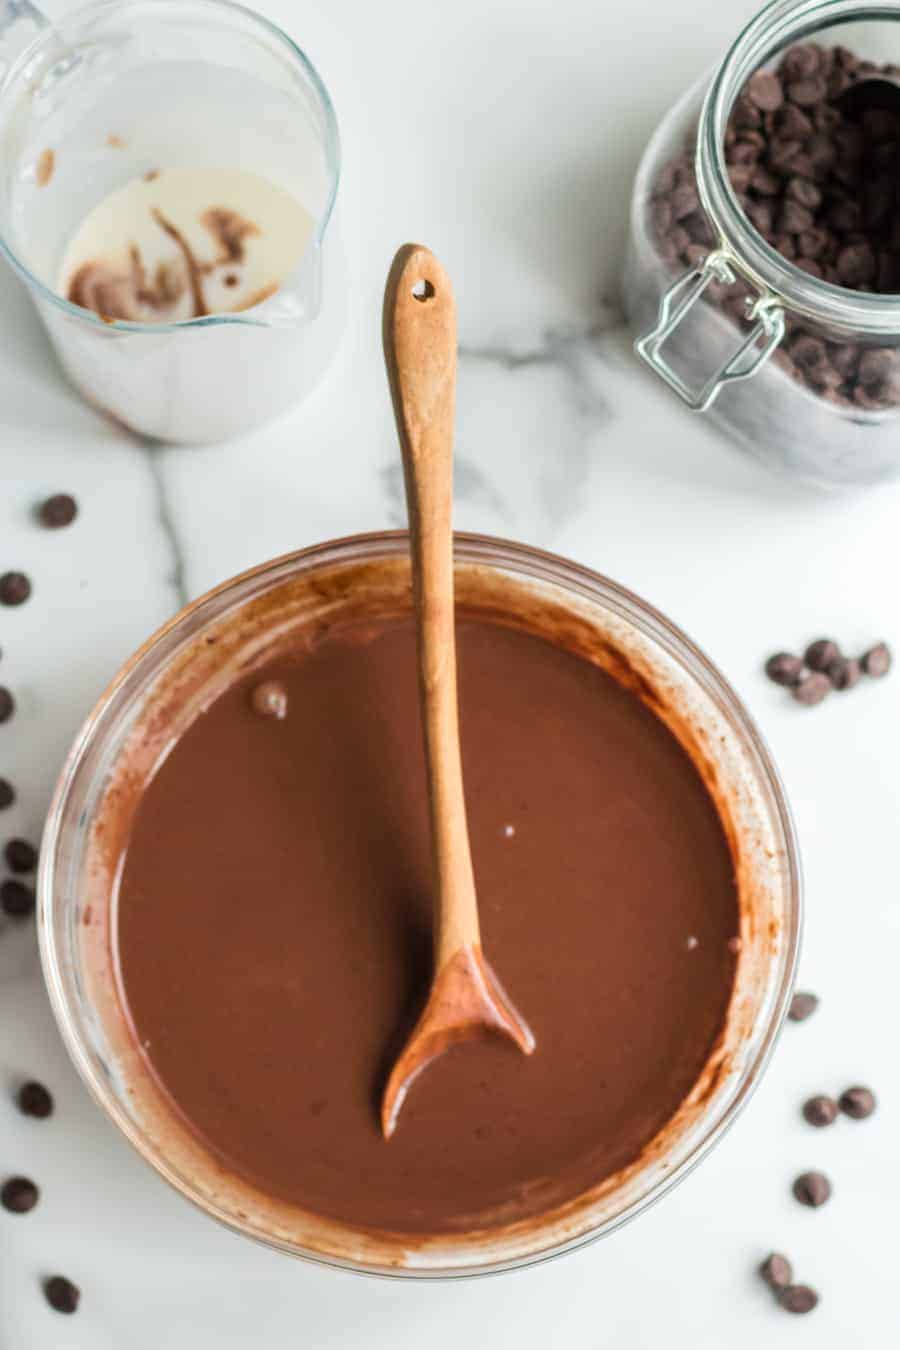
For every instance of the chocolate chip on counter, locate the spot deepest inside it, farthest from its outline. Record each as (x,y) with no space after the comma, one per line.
(820,654)
(16,900)
(877,660)
(7,791)
(7,704)
(62,1295)
(784,668)
(820,1111)
(58,511)
(798,1298)
(20,855)
(812,689)
(270,699)
(15,588)
(19,1195)
(34,1100)
(857,1102)
(844,673)
(802,1006)
(812,1189)
(777,1271)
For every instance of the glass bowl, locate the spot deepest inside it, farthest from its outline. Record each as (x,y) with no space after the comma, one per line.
(164,686)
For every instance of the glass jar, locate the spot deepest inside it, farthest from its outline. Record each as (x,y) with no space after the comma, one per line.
(165,685)
(763,270)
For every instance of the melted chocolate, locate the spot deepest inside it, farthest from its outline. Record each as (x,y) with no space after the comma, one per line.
(274,930)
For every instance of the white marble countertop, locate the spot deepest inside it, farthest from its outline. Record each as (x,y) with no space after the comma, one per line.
(505,136)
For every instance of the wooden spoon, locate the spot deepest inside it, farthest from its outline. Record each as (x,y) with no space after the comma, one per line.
(466,1000)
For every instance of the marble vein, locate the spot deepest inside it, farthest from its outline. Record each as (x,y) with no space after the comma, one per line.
(176,577)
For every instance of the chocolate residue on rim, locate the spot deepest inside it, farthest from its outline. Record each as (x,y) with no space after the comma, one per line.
(45,167)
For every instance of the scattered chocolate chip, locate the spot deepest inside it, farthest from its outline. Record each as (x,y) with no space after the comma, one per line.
(812,1189)
(820,654)
(58,511)
(7,704)
(857,1102)
(62,1294)
(803,1006)
(783,668)
(812,689)
(7,791)
(15,588)
(34,1100)
(844,673)
(18,1195)
(777,1271)
(20,855)
(820,1111)
(798,1298)
(877,660)
(16,900)
(270,699)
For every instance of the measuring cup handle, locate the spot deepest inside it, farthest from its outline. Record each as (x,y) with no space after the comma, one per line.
(20,23)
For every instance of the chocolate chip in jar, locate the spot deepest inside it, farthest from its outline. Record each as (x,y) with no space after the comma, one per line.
(819,182)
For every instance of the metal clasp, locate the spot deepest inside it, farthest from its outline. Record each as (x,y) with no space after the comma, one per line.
(679,300)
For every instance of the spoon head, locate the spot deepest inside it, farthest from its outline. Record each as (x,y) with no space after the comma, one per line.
(467,1002)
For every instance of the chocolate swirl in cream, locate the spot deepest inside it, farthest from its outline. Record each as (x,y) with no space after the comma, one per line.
(116,292)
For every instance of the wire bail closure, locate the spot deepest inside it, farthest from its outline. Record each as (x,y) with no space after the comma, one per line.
(679,300)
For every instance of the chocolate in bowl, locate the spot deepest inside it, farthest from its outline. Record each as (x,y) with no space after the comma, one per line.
(216,643)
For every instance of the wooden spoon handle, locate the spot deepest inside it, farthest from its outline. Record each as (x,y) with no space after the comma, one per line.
(419,331)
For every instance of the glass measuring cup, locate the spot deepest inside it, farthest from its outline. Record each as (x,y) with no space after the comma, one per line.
(116,90)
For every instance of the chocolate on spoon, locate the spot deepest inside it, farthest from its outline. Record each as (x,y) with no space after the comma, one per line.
(466,1000)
